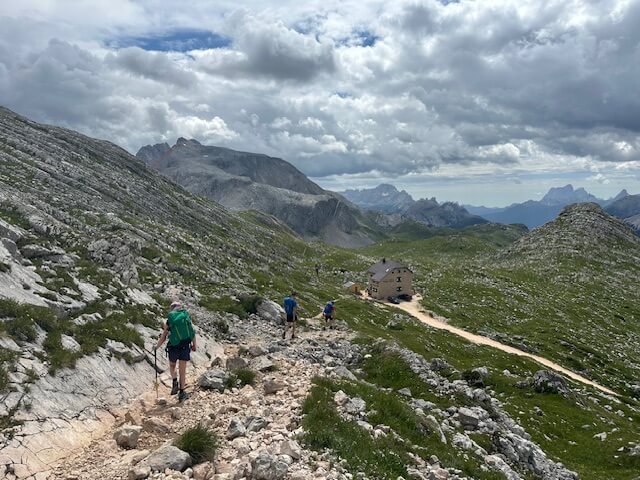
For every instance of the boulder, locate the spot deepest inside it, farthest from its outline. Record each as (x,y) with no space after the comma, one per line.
(355,405)
(236,363)
(236,429)
(204,471)
(340,398)
(167,456)
(545,381)
(468,418)
(213,379)
(344,372)
(291,448)
(405,391)
(268,467)
(270,311)
(262,364)
(272,385)
(255,424)
(69,343)
(439,364)
(257,350)
(156,425)
(127,436)
(139,473)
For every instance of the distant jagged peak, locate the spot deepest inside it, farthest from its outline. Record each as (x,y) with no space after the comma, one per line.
(183,142)
(623,193)
(566,195)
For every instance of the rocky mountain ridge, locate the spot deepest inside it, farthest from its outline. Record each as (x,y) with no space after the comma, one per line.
(387,199)
(248,181)
(627,208)
(534,213)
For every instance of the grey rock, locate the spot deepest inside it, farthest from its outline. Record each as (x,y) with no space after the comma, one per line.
(340,398)
(236,429)
(267,467)
(139,473)
(156,425)
(546,381)
(262,364)
(439,364)
(344,372)
(255,424)
(167,456)
(423,404)
(468,418)
(272,385)
(257,350)
(405,392)
(127,436)
(355,405)
(236,363)
(213,380)
(69,343)
(291,448)
(270,311)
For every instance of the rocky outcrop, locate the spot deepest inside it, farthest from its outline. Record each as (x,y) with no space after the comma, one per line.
(249,181)
(400,206)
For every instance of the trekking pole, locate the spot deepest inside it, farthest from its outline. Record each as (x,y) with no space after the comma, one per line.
(155,365)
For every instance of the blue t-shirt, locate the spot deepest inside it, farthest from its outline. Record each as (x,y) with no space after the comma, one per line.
(328,309)
(289,305)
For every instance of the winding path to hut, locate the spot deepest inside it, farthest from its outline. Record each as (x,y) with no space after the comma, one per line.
(415,309)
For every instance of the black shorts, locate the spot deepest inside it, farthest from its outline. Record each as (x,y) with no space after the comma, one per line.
(182,351)
(291,317)
(328,317)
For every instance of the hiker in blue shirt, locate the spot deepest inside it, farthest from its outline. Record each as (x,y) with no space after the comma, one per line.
(291,309)
(327,313)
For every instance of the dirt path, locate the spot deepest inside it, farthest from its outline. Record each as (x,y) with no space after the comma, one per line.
(415,309)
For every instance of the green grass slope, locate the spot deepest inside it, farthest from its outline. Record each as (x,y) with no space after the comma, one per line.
(567,290)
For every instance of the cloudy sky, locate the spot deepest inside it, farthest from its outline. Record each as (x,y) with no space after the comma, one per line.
(485,102)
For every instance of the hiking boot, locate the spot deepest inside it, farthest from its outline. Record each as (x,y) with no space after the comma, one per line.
(182,396)
(174,387)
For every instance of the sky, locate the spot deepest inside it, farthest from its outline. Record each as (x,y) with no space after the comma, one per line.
(481,102)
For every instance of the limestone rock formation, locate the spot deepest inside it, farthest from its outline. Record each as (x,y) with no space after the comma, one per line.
(249,181)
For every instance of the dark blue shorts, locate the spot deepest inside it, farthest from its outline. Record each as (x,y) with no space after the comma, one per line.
(291,317)
(182,351)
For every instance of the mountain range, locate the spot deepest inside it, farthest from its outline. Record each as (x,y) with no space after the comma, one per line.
(387,199)
(249,181)
(534,213)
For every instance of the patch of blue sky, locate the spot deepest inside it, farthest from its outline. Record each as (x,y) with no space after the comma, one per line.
(360,38)
(366,38)
(175,41)
(343,94)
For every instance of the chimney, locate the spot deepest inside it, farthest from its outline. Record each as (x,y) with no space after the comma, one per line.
(384,260)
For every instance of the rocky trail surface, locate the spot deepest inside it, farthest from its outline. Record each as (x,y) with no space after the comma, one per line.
(256,425)
(414,308)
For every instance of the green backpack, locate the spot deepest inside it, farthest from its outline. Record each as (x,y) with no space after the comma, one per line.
(180,327)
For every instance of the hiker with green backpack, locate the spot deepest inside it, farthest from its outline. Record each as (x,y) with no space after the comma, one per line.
(182,341)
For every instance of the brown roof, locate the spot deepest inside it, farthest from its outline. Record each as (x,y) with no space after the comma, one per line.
(381,269)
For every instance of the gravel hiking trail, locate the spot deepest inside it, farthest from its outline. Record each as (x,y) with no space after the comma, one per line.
(414,308)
